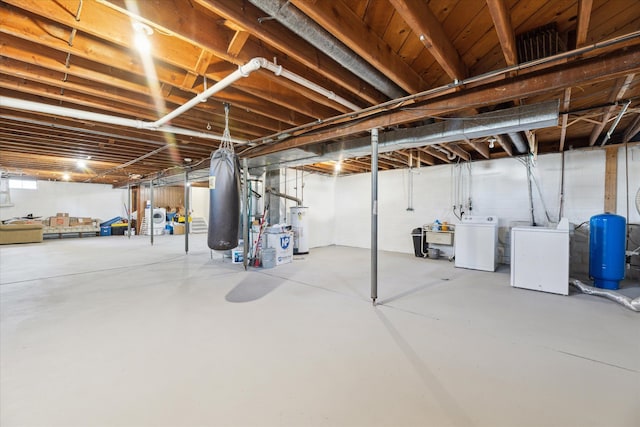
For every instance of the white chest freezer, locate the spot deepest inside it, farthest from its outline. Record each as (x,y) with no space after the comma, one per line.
(540,258)
(476,243)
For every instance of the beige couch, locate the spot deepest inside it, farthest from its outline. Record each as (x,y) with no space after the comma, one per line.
(20,233)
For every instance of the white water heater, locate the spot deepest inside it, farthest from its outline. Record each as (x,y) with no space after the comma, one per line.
(300,228)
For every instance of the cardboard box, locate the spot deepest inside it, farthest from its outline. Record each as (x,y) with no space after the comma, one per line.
(62,214)
(283,244)
(178,228)
(59,221)
(85,221)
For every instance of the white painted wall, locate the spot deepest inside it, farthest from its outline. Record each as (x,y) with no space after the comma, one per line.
(319,197)
(200,202)
(78,199)
(499,187)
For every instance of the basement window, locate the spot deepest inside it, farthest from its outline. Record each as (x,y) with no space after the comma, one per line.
(23,184)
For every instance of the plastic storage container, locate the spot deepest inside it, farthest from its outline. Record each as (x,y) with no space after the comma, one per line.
(607,250)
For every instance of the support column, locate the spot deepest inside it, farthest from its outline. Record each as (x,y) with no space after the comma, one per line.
(150,210)
(245,212)
(374,215)
(129,211)
(186,210)
(611,180)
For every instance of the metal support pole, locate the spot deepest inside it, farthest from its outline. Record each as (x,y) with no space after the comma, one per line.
(246,193)
(129,211)
(186,211)
(374,215)
(151,210)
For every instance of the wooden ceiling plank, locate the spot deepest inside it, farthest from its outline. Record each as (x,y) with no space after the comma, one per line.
(584,15)
(125,61)
(112,25)
(285,41)
(504,29)
(617,92)
(591,70)
(16,50)
(427,27)
(347,27)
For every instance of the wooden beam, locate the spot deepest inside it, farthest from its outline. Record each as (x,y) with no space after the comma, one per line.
(566,101)
(632,129)
(480,148)
(504,29)
(435,153)
(337,18)
(611,180)
(591,70)
(617,92)
(426,26)
(237,43)
(584,15)
(506,145)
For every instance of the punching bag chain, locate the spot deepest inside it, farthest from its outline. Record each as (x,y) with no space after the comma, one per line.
(226,136)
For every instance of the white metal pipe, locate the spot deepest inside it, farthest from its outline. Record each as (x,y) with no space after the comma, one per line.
(615,123)
(37,107)
(242,71)
(281,72)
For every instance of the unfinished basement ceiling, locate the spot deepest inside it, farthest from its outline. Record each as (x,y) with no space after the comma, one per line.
(403,66)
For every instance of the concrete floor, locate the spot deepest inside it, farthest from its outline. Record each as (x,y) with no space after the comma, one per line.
(113,332)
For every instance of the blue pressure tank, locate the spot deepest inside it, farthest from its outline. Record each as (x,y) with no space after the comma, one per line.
(607,250)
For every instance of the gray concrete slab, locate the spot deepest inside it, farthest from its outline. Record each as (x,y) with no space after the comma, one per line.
(113,332)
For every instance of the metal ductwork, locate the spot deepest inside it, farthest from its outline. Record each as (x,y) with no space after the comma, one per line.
(510,121)
(308,30)
(519,142)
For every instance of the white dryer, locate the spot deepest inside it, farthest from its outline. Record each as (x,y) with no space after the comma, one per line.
(476,242)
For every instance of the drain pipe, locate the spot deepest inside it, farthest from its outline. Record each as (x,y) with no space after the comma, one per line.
(161,124)
(279,71)
(242,71)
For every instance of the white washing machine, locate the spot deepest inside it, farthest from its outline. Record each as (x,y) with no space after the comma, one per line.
(476,242)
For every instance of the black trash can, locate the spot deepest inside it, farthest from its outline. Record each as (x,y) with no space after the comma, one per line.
(420,245)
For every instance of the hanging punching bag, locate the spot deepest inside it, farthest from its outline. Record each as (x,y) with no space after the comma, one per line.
(224,200)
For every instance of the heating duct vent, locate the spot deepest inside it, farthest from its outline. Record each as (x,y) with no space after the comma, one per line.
(540,43)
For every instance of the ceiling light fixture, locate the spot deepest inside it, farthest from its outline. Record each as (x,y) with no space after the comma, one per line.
(492,142)
(66,176)
(338,166)
(81,164)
